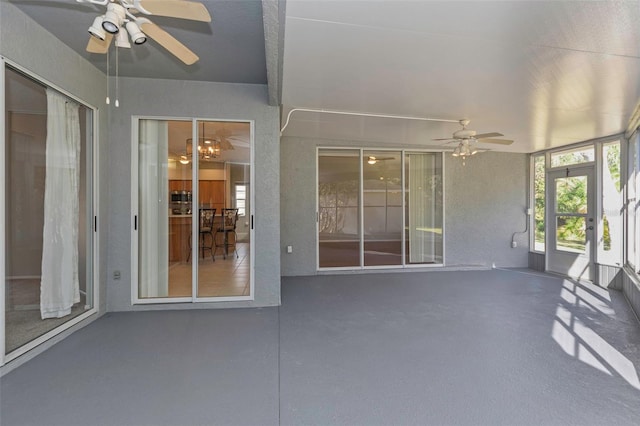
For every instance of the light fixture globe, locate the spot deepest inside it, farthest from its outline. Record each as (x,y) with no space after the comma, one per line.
(113,18)
(136,34)
(96,29)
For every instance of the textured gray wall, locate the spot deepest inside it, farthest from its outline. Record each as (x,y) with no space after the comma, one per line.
(171,98)
(30,46)
(485,203)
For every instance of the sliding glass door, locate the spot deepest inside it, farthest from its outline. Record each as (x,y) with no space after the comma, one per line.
(379,208)
(192,211)
(49,212)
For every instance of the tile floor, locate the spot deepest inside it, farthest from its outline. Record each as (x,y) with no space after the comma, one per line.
(219,278)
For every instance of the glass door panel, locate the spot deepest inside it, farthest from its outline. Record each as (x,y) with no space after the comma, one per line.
(382,207)
(49,218)
(423,208)
(164,210)
(338,208)
(572,224)
(224,173)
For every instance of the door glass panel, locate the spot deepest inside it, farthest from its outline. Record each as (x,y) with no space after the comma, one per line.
(223,153)
(49,219)
(571,195)
(338,208)
(164,212)
(382,207)
(570,234)
(168,210)
(423,204)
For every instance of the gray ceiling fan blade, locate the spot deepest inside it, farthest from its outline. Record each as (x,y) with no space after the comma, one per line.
(497,141)
(488,135)
(443,139)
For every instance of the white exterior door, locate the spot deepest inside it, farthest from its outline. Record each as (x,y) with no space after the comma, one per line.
(571,222)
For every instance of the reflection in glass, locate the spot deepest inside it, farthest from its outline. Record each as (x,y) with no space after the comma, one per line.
(338,203)
(570,233)
(382,207)
(423,185)
(48,211)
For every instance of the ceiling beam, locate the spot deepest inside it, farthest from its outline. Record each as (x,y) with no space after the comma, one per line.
(273,14)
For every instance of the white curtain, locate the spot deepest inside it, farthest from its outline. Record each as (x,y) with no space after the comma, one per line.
(422,215)
(153,223)
(59,285)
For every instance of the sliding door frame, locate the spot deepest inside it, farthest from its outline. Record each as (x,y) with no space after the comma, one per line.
(92,183)
(135,299)
(404,264)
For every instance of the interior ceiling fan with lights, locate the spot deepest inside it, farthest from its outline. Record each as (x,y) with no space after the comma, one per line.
(122,19)
(467,140)
(211,147)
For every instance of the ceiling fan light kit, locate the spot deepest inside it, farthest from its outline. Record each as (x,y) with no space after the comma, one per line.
(114,18)
(137,36)
(96,29)
(123,16)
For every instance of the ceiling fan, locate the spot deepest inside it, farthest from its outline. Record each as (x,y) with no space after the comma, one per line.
(467,139)
(122,19)
(373,159)
(471,135)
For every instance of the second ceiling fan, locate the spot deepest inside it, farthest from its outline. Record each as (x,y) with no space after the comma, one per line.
(122,20)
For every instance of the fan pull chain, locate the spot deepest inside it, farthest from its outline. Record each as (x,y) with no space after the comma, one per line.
(117,74)
(108,101)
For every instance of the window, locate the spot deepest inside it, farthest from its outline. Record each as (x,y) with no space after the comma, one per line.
(538,203)
(611,232)
(632,201)
(241,199)
(379,208)
(573,156)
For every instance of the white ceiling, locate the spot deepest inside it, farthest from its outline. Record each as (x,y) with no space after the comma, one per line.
(544,74)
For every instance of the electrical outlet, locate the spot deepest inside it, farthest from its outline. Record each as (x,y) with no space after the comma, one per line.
(514,244)
(529,212)
(116,275)
(289,249)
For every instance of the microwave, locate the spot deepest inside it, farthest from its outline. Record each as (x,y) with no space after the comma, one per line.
(180,196)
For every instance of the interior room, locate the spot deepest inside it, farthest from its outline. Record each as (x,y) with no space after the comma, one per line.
(284,212)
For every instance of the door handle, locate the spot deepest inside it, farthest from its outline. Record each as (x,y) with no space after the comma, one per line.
(590,228)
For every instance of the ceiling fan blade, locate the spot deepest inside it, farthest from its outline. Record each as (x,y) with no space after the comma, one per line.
(497,141)
(96,45)
(191,10)
(443,139)
(488,135)
(168,41)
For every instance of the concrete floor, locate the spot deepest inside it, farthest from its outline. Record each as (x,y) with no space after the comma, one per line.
(477,348)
